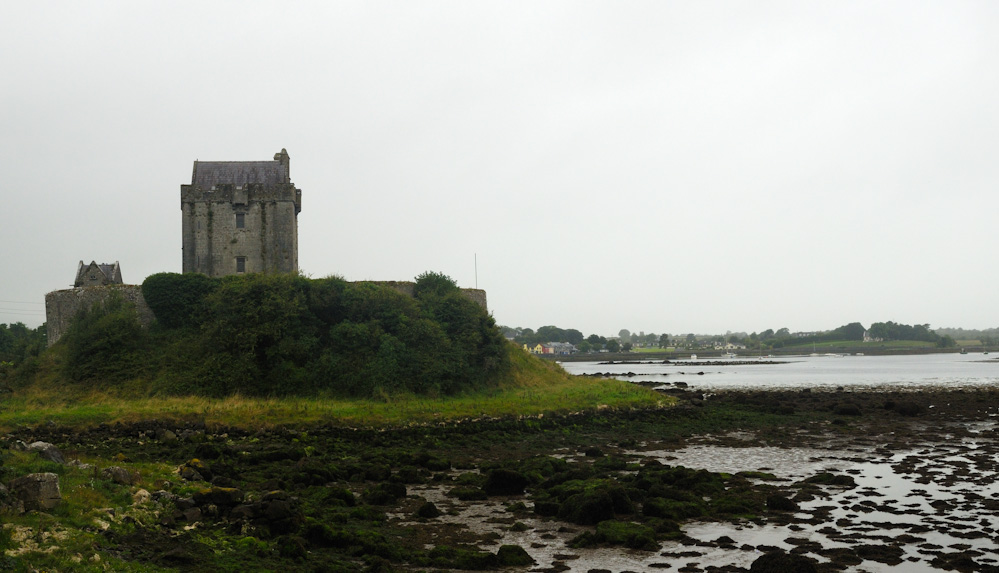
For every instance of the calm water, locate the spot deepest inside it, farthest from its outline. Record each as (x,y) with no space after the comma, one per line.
(957,370)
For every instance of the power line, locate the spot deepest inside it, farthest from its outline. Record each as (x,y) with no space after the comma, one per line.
(20,302)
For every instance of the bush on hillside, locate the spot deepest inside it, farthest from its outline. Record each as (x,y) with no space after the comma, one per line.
(177,299)
(105,343)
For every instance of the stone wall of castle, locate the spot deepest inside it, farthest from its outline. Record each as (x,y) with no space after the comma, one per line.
(476,295)
(62,305)
(240,229)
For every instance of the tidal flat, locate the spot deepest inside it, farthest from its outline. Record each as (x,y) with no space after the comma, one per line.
(832,480)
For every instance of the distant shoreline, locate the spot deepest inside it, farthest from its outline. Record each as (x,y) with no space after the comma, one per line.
(752,356)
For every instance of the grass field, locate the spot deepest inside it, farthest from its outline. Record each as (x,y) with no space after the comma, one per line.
(532,388)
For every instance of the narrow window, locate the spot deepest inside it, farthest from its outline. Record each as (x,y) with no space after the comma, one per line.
(240,220)
(240,264)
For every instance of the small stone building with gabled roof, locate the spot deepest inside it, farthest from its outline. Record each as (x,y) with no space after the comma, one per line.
(94,284)
(240,217)
(97,274)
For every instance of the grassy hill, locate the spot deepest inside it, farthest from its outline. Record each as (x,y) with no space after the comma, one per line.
(529,387)
(264,350)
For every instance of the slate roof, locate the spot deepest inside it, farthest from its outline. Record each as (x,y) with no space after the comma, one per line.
(111,272)
(209,173)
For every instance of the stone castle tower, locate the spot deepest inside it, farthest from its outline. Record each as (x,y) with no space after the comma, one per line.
(241,217)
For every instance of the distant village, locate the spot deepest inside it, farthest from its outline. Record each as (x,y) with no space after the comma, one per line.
(627,342)
(566,348)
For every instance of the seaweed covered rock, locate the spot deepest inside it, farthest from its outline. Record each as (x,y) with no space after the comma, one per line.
(909,409)
(513,556)
(780,562)
(778,502)
(428,510)
(276,510)
(672,509)
(468,493)
(621,533)
(385,493)
(505,482)
(847,409)
(889,554)
(587,508)
(826,478)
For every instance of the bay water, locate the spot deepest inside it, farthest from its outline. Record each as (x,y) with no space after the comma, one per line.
(947,370)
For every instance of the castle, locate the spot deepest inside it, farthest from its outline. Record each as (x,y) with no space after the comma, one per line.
(237,217)
(241,217)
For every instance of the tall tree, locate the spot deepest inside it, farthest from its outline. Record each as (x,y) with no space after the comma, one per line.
(573,336)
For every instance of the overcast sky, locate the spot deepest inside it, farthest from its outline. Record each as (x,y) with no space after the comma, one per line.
(657,166)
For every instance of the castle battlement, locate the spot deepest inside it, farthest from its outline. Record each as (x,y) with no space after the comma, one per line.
(241,194)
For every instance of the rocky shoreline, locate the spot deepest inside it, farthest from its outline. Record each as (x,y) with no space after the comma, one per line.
(592,492)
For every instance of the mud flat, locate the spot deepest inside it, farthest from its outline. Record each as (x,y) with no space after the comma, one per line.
(726,481)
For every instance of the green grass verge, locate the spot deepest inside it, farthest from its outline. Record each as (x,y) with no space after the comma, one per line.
(532,387)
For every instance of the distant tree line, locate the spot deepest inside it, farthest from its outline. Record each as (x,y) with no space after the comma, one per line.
(19,343)
(852,332)
(626,340)
(987,336)
(542,335)
(20,347)
(894,331)
(769,339)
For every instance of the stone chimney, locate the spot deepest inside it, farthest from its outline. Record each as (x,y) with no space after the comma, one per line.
(283,159)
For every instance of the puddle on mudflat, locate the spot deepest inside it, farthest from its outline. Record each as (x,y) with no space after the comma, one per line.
(929,499)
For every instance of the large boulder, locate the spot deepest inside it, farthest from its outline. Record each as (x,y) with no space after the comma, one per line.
(37,491)
(223,496)
(47,451)
(120,475)
(166,436)
(195,470)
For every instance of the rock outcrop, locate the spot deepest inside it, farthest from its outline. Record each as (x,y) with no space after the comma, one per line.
(38,492)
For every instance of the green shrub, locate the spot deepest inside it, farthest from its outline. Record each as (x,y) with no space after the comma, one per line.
(177,300)
(106,342)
